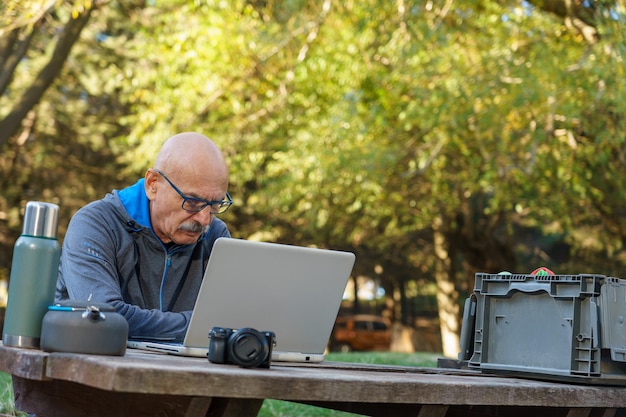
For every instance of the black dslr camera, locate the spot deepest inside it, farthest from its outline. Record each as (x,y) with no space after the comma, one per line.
(246,347)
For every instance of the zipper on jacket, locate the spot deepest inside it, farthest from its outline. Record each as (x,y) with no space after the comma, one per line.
(168,262)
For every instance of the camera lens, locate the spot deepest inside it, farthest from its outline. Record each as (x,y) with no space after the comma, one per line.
(248,348)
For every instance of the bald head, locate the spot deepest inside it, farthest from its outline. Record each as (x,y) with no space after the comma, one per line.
(192,155)
(188,167)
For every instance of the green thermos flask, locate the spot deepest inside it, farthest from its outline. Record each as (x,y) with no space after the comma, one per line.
(33,275)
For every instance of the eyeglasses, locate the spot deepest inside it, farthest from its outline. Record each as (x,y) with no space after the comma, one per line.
(195,204)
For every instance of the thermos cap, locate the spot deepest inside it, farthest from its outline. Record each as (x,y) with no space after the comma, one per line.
(41,219)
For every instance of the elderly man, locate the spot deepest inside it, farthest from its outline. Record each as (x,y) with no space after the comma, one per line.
(144,249)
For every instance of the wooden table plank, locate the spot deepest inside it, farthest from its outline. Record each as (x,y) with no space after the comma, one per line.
(227,407)
(27,363)
(142,383)
(433,411)
(198,407)
(68,399)
(163,374)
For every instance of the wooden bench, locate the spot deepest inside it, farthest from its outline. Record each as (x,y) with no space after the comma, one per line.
(151,384)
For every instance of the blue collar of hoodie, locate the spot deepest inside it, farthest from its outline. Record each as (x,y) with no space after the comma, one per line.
(136,203)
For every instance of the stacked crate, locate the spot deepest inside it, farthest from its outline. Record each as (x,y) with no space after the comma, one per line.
(569,327)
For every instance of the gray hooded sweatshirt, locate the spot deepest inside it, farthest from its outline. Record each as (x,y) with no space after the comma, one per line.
(111,254)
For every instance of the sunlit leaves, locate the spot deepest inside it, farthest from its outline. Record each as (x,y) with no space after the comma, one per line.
(17,13)
(360,123)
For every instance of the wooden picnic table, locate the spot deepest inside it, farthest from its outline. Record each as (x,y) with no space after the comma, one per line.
(153,384)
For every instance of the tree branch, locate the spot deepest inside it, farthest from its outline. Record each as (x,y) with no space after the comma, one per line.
(10,125)
(576,15)
(12,55)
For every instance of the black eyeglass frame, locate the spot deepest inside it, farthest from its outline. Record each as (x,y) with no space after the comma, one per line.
(222,205)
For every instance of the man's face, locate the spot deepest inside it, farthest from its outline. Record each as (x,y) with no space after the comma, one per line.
(170,221)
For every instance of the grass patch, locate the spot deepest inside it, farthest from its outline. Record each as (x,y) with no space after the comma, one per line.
(421,359)
(7,405)
(275,408)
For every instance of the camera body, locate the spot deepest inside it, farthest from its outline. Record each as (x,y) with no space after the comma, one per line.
(246,347)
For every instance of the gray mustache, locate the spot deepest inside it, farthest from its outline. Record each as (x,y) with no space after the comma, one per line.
(193,227)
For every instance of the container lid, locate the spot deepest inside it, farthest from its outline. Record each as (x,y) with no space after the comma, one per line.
(75,305)
(41,219)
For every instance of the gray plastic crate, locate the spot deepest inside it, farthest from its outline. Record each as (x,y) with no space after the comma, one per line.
(564,327)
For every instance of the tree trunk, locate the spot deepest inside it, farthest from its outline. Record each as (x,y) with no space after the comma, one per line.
(356,306)
(447,295)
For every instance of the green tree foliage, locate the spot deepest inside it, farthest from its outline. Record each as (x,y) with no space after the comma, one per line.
(62,149)
(434,139)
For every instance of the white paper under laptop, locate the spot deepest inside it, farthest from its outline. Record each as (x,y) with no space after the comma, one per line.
(293,291)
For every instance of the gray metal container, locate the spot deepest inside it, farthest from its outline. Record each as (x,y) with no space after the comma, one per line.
(84,327)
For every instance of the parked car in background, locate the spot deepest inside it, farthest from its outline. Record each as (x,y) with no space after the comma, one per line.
(360,332)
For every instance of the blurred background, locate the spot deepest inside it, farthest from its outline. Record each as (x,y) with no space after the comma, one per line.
(434,139)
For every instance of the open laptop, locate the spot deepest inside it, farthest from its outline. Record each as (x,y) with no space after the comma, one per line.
(291,290)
